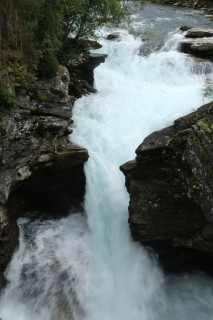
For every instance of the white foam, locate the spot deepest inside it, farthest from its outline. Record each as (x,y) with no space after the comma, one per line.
(70,269)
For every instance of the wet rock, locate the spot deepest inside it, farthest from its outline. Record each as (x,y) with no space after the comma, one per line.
(115,36)
(83,68)
(171,192)
(199,33)
(58,86)
(63,73)
(200,47)
(199,43)
(185,28)
(40,169)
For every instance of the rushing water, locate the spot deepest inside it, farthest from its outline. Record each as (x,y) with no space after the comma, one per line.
(85,267)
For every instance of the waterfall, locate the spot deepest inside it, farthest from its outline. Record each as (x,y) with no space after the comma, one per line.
(85,266)
(136,95)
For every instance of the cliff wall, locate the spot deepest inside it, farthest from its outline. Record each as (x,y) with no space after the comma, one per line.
(171,192)
(41,171)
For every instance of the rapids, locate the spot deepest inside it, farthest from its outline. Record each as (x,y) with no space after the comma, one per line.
(85,266)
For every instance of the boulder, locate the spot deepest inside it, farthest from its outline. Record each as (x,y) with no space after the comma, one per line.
(199,43)
(199,47)
(171,192)
(63,73)
(185,28)
(115,36)
(83,68)
(199,33)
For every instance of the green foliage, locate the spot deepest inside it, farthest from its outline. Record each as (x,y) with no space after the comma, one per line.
(41,28)
(48,66)
(7,101)
(16,68)
(85,16)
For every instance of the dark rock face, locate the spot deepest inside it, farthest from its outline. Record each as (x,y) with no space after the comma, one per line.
(81,70)
(40,169)
(171,192)
(199,48)
(199,43)
(115,36)
(199,33)
(185,28)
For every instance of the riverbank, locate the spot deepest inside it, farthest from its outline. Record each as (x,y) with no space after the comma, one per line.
(41,170)
(205,5)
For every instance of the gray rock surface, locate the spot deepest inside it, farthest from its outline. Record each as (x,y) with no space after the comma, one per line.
(199,33)
(199,43)
(81,71)
(115,36)
(171,192)
(40,169)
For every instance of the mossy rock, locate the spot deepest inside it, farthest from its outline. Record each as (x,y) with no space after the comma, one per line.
(7,102)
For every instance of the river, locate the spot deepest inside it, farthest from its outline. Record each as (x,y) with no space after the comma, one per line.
(85,266)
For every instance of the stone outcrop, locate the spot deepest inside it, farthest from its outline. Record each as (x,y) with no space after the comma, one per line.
(199,33)
(202,48)
(171,192)
(81,71)
(199,43)
(41,171)
(115,36)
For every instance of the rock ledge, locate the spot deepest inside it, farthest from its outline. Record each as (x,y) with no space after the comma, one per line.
(171,192)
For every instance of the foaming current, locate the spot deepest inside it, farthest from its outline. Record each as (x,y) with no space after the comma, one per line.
(85,267)
(136,95)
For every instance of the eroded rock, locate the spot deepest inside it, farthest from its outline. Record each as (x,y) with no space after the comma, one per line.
(199,43)
(185,28)
(199,33)
(171,192)
(40,169)
(115,36)
(81,71)
(199,47)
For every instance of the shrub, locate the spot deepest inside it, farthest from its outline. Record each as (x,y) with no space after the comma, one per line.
(7,101)
(48,66)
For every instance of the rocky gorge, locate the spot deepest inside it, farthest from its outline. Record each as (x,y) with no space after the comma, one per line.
(40,168)
(76,255)
(42,171)
(170,182)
